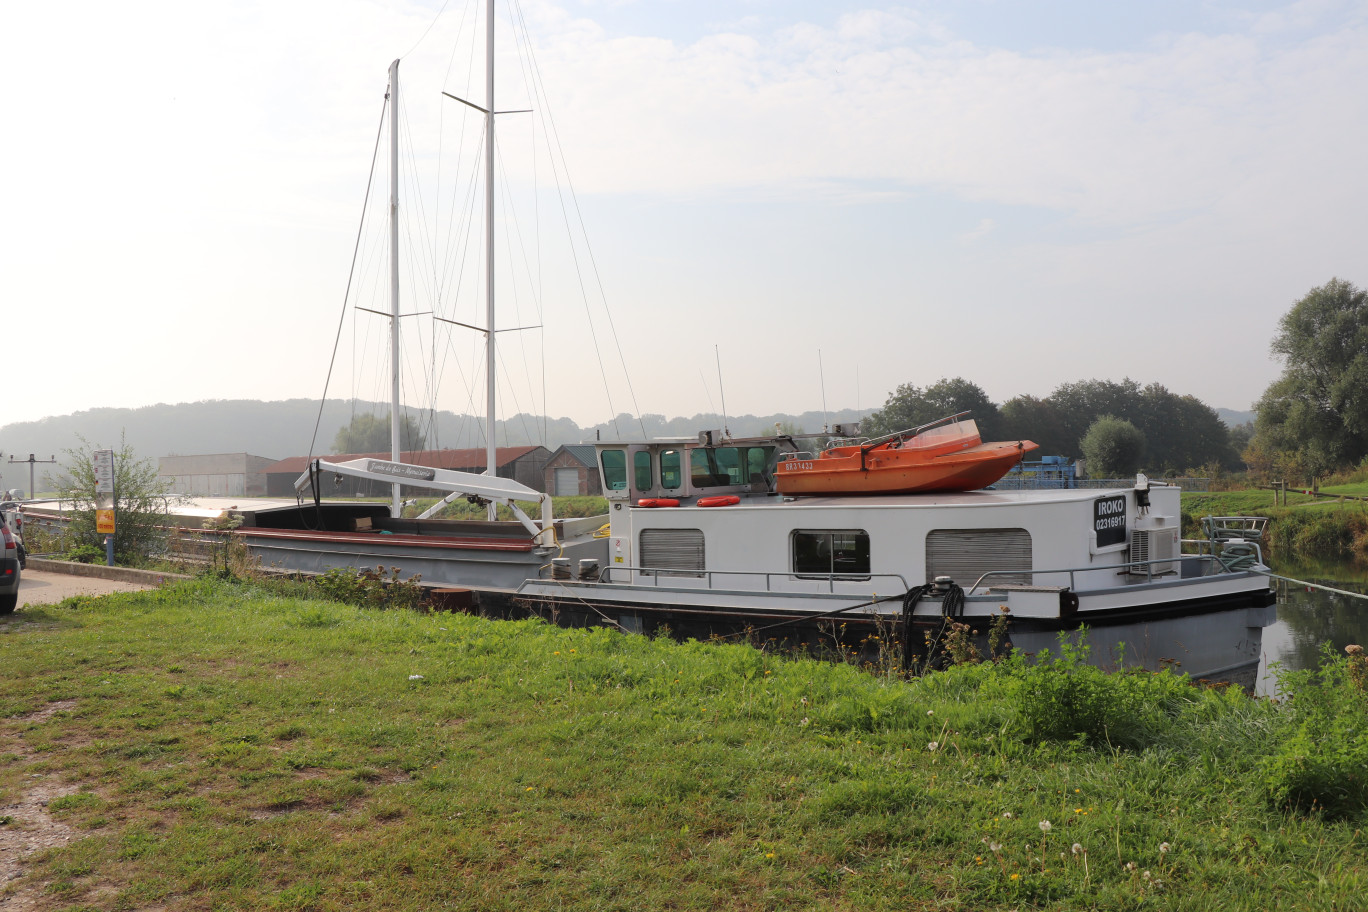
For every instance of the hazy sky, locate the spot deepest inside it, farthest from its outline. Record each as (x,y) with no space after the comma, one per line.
(1022,194)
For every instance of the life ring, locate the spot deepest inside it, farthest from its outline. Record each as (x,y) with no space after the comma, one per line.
(657,502)
(721,500)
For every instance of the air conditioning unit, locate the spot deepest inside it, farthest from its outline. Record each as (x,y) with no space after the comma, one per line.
(1159,545)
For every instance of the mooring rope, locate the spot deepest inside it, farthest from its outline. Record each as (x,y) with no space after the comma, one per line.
(1288,579)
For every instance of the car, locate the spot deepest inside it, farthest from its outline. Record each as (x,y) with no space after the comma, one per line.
(10,512)
(9,568)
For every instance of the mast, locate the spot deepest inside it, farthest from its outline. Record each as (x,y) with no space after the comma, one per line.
(394,280)
(490,373)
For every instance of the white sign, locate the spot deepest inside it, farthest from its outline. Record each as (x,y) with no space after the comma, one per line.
(104,472)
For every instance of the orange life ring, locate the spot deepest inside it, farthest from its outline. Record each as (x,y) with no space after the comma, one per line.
(721,500)
(657,502)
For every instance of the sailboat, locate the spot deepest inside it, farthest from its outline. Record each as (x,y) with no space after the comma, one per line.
(495,555)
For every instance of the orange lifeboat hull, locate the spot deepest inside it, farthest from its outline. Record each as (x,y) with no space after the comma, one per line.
(841,471)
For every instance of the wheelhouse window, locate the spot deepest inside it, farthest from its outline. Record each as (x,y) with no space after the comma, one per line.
(831,552)
(641,465)
(614,469)
(715,467)
(671,470)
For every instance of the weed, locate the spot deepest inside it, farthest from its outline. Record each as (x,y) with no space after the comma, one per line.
(1323,766)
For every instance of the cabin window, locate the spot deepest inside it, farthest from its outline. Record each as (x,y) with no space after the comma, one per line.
(614,469)
(715,467)
(671,470)
(673,552)
(757,460)
(641,463)
(965,555)
(831,552)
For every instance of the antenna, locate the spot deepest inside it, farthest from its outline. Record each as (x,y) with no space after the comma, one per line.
(712,405)
(821,375)
(721,391)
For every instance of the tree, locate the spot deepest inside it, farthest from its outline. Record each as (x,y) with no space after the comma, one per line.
(1113,448)
(369,433)
(142,502)
(1318,408)
(908,407)
(1037,420)
(1180,432)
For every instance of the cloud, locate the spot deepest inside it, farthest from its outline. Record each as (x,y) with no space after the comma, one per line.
(877,97)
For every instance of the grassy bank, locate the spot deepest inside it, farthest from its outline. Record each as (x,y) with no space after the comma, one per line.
(217,746)
(1307,529)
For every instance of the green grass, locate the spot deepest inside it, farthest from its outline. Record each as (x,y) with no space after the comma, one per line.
(230,747)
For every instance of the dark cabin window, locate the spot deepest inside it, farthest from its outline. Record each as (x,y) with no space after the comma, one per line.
(715,467)
(831,552)
(641,463)
(614,469)
(671,470)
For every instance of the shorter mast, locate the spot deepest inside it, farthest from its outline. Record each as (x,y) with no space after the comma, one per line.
(395,503)
(491,458)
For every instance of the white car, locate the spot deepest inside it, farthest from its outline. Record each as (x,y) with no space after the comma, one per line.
(9,567)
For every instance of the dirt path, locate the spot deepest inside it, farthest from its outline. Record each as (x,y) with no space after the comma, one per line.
(38,587)
(27,826)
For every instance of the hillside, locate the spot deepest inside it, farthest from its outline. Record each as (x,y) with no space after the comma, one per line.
(284,428)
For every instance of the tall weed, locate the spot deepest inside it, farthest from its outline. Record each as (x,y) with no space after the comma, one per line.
(1323,766)
(1065,699)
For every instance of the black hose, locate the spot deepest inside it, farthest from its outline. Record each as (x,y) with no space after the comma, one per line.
(910,600)
(952,606)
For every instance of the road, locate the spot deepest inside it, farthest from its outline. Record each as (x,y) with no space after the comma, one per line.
(37,587)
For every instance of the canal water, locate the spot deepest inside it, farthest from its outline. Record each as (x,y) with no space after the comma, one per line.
(1307,618)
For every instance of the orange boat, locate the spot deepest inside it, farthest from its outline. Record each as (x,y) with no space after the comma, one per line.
(937,457)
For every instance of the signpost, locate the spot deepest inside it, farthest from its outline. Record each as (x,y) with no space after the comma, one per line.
(105,500)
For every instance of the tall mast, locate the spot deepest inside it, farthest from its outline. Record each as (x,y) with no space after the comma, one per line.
(394,279)
(490,373)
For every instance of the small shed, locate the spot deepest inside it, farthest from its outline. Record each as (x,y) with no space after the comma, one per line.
(216,475)
(571,471)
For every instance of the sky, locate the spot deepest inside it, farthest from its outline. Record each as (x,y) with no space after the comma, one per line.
(778,206)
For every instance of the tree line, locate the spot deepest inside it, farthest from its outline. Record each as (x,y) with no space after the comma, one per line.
(1310,422)
(1132,426)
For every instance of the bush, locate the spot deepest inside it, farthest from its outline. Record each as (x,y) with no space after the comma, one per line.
(370,588)
(85,554)
(1066,699)
(1324,765)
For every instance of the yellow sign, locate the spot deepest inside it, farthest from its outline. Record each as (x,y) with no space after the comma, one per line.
(104,522)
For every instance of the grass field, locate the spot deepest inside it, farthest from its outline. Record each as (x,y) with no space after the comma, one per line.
(221,746)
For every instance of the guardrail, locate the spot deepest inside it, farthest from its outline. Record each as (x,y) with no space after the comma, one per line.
(605,576)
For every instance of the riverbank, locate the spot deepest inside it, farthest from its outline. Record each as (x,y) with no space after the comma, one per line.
(1307,529)
(211,745)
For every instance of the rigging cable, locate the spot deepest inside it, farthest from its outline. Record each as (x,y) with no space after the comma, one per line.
(540,84)
(428,29)
(341,320)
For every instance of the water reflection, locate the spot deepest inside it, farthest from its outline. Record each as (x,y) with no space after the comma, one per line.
(1308,618)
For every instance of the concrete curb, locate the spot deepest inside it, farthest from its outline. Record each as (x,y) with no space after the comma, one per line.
(100,571)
